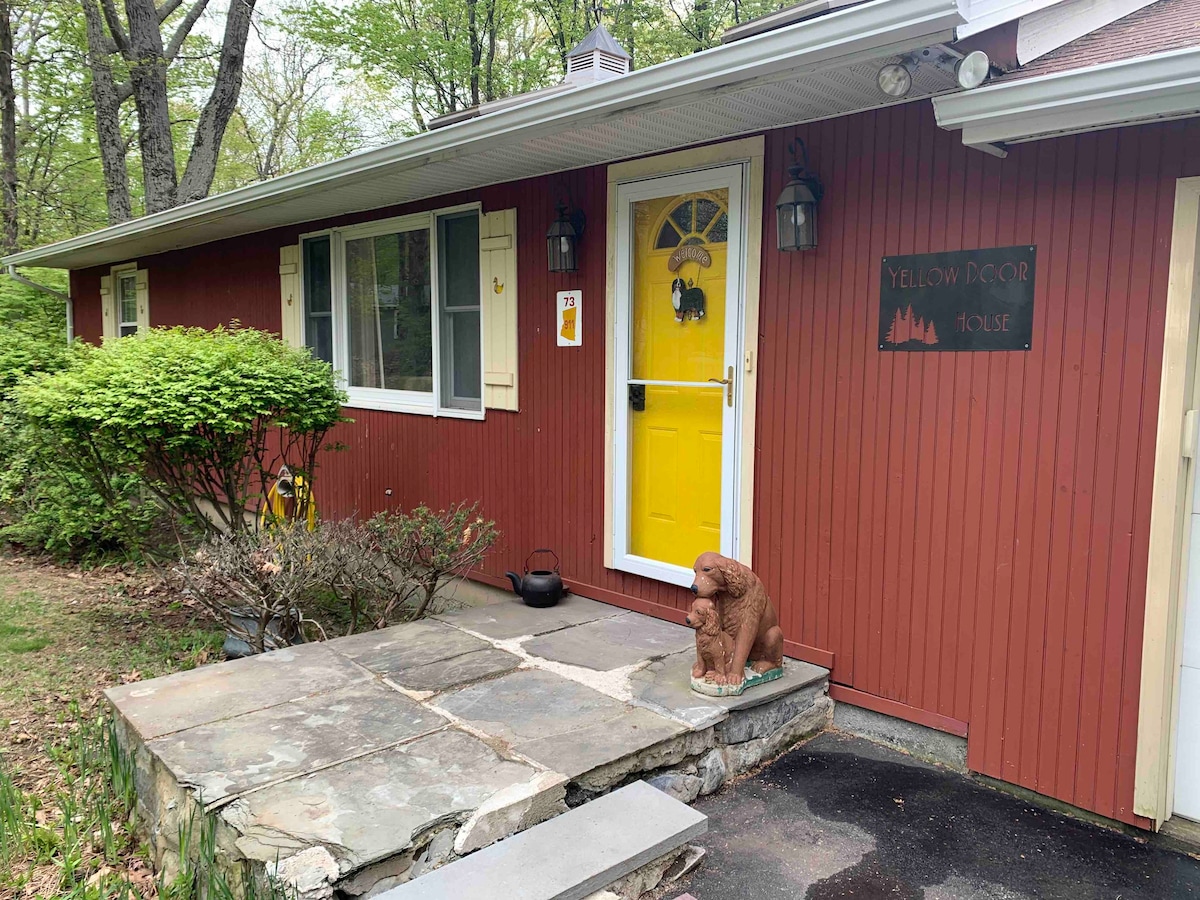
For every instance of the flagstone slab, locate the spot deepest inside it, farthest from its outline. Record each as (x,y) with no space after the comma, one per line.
(561,724)
(211,693)
(389,651)
(372,807)
(665,685)
(613,642)
(233,755)
(511,618)
(448,673)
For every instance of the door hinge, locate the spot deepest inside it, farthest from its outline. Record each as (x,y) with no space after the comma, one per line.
(1189,434)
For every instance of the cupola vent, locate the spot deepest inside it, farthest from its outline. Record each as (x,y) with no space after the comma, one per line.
(598,57)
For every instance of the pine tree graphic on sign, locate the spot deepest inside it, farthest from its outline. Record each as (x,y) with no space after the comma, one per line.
(908,326)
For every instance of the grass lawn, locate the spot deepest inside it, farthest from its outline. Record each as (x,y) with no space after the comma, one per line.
(65,635)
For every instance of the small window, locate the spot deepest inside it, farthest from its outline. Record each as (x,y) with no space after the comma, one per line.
(401,319)
(127,317)
(694,221)
(318,299)
(458,243)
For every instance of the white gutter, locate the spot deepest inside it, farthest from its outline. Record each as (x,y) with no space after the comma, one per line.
(852,33)
(1146,88)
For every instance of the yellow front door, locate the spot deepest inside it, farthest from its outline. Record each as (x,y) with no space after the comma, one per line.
(677,350)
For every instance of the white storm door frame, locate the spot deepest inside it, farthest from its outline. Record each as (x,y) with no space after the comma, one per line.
(733,178)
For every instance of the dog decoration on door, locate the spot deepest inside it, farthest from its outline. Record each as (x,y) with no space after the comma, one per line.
(686,298)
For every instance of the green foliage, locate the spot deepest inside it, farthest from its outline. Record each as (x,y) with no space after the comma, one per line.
(85,838)
(205,418)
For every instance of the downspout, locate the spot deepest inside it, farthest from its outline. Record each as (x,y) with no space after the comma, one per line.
(65,298)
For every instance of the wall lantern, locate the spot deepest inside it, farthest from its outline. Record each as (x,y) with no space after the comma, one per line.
(562,240)
(796,208)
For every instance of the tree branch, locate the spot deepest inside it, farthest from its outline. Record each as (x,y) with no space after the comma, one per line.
(185,27)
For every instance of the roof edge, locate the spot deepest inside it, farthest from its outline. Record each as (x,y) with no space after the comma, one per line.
(1147,88)
(809,43)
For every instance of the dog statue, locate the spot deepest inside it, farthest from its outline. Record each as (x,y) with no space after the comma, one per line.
(747,614)
(714,648)
(688,301)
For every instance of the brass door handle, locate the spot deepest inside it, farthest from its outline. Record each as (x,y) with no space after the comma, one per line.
(728,382)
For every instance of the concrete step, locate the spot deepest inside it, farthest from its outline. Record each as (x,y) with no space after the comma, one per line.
(570,856)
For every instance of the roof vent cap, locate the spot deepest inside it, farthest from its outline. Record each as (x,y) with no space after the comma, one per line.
(597,57)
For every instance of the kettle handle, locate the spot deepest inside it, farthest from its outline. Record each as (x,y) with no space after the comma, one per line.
(541,550)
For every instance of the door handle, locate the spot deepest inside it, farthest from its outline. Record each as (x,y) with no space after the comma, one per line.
(728,382)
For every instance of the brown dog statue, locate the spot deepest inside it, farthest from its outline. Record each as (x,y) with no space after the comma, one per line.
(714,648)
(746,613)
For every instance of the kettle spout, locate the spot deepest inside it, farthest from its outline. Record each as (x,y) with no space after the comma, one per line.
(516,582)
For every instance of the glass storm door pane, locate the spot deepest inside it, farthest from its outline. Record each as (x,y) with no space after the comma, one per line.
(677,323)
(389,319)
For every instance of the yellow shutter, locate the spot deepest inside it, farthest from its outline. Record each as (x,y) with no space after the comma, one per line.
(142,282)
(498,265)
(291,313)
(108,311)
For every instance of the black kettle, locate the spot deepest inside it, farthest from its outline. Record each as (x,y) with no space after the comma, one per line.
(541,587)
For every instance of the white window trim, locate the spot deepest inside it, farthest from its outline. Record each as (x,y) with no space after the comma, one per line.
(388,400)
(116,274)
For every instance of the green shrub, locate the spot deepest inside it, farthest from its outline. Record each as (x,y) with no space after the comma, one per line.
(205,418)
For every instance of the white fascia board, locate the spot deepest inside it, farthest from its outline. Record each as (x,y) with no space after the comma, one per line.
(1146,88)
(1041,32)
(849,34)
(984,14)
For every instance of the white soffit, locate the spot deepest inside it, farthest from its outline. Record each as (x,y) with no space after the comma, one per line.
(1045,30)
(1127,92)
(814,69)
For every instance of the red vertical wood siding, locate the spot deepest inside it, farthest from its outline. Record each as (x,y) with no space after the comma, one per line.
(966,532)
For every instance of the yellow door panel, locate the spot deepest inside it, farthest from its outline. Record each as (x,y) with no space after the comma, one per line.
(679,254)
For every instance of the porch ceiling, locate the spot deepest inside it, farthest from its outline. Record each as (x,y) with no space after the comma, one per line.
(814,69)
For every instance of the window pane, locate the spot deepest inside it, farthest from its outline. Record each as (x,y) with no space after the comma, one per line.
(389,322)
(129,300)
(127,330)
(458,260)
(459,254)
(318,325)
(464,344)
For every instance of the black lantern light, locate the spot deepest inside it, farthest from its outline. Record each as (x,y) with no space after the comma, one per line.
(796,208)
(562,240)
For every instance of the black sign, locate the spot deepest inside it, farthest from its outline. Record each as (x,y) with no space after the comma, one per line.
(959,300)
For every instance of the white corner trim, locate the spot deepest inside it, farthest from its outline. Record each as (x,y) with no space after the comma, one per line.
(1146,88)
(1048,29)
(984,14)
(850,34)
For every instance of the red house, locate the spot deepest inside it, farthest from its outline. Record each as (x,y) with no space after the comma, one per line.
(583,308)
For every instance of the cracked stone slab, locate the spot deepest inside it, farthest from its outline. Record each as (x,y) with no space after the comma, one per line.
(224,758)
(210,693)
(512,618)
(613,642)
(390,651)
(665,684)
(372,807)
(448,673)
(561,724)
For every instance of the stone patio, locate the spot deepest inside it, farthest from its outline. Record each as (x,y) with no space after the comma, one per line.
(362,762)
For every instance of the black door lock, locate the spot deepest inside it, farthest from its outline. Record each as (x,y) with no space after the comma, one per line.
(637,397)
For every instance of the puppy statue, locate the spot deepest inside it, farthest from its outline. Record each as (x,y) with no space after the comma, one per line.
(748,615)
(714,648)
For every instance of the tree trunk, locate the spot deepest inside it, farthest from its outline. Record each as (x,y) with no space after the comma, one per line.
(107,103)
(210,130)
(476,49)
(8,132)
(148,73)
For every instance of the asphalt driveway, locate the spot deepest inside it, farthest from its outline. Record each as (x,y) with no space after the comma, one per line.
(841,817)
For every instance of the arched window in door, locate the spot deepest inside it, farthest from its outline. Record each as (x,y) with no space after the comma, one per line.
(697,220)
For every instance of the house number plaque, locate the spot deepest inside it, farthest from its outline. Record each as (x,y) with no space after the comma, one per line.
(958,300)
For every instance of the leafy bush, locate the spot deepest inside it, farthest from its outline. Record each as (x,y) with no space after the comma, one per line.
(363,575)
(205,418)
